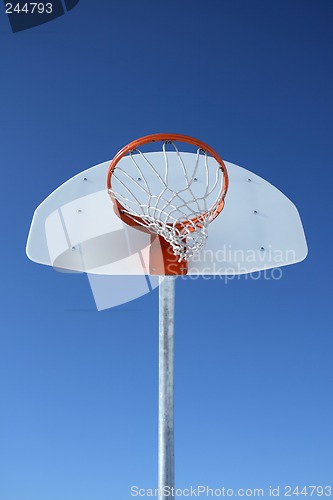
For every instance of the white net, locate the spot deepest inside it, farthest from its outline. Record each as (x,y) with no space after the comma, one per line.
(176,195)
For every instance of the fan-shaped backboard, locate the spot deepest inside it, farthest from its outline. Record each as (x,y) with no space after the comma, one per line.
(75,228)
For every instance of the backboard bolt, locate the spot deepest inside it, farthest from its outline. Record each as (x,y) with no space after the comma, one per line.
(73,248)
(85,178)
(79,211)
(249,180)
(255,211)
(195,179)
(262,248)
(139,179)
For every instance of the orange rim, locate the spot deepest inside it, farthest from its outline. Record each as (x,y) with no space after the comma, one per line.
(132,146)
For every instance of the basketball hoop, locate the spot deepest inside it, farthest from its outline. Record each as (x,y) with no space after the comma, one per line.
(172,197)
(169,195)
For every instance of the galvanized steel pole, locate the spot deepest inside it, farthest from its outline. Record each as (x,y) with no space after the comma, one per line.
(166,472)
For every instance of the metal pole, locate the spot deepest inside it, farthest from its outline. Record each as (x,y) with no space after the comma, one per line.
(166,473)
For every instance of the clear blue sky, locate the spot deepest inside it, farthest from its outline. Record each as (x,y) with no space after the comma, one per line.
(254,399)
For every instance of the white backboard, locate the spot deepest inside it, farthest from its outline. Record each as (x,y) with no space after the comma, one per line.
(76,229)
